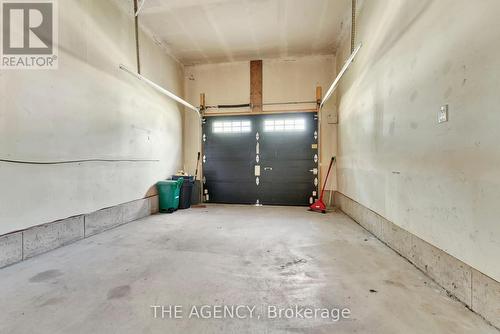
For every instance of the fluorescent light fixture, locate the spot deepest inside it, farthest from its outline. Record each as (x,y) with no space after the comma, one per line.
(161,89)
(341,73)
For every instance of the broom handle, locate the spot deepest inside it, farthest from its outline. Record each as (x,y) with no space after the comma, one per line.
(197,164)
(326,180)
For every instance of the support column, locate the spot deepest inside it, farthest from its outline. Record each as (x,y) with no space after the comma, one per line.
(256,85)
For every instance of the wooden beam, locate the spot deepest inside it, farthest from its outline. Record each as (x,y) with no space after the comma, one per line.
(202,101)
(256,85)
(319,94)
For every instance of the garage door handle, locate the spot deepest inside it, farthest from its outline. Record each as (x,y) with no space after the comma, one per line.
(268,168)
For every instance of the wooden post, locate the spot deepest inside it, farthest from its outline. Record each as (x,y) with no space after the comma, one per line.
(256,85)
(319,94)
(202,101)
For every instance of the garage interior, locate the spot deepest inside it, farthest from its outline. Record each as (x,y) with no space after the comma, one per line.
(382,109)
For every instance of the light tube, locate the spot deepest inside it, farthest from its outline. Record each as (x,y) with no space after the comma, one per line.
(341,73)
(139,9)
(160,89)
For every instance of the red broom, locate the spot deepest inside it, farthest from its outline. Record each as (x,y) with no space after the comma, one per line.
(319,205)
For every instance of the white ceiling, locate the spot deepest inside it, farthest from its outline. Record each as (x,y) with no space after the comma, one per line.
(213,31)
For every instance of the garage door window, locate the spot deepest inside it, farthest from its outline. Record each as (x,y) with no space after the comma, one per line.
(232,127)
(282,125)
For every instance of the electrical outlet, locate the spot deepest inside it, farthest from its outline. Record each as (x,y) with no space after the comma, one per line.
(443,114)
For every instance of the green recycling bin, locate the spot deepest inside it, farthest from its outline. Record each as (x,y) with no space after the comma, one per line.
(168,193)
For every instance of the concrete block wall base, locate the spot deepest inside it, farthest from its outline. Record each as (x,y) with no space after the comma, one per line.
(43,238)
(477,291)
(11,248)
(328,198)
(39,239)
(154,203)
(102,220)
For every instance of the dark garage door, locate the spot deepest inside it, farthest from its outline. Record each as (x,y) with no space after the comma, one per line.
(261,159)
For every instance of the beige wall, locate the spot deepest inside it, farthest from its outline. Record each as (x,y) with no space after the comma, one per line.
(88,108)
(440,182)
(283,80)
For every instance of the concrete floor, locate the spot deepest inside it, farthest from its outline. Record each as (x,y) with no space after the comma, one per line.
(229,255)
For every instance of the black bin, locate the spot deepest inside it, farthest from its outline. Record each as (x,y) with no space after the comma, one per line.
(186,191)
(196,193)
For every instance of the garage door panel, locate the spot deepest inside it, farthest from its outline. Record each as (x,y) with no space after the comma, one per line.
(230,171)
(229,148)
(283,146)
(289,146)
(286,193)
(289,154)
(232,192)
(293,168)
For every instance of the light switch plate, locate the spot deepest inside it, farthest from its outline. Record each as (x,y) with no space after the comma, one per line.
(331,117)
(443,114)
